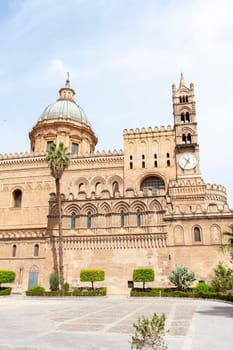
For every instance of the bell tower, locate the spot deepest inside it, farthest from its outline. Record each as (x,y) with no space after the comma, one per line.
(185,125)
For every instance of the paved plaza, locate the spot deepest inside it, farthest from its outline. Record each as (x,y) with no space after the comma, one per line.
(105,323)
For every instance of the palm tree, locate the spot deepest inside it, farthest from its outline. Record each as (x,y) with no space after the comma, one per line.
(229,245)
(58,159)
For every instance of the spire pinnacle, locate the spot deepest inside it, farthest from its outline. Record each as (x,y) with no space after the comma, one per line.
(68,80)
(182,82)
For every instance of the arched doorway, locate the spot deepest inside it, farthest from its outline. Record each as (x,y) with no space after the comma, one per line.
(33,276)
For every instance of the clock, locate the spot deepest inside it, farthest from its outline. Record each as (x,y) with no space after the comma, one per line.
(187,161)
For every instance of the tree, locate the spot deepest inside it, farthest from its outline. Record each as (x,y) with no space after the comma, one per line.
(143,275)
(6,276)
(229,245)
(58,159)
(92,276)
(54,281)
(223,280)
(181,277)
(149,334)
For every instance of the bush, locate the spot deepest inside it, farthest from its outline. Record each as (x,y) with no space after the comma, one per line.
(7,276)
(223,280)
(143,275)
(92,276)
(54,281)
(5,291)
(66,287)
(202,287)
(181,277)
(36,291)
(149,334)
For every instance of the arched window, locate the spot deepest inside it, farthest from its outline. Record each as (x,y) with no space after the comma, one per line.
(138,218)
(81,187)
(89,219)
(182,118)
(115,188)
(97,188)
(36,250)
(187,117)
(122,218)
(17,198)
(74,148)
(73,221)
(168,162)
(197,234)
(189,138)
(184,139)
(14,249)
(153,183)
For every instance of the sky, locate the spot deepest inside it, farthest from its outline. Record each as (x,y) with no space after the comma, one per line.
(122,56)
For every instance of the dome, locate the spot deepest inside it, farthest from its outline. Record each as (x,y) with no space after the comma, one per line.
(65,107)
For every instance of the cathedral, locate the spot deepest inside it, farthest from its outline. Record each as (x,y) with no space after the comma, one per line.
(145,206)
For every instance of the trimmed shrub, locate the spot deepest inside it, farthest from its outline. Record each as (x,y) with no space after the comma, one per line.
(92,276)
(143,275)
(202,287)
(181,277)
(7,276)
(5,291)
(66,287)
(36,291)
(54,281)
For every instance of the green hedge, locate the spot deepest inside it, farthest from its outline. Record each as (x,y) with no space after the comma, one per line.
(168,292)
(5,291)
(82,291)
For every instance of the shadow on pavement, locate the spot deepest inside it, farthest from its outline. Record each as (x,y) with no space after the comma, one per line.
(226,311)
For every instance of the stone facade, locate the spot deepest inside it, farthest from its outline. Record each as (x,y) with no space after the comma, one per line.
(146,206)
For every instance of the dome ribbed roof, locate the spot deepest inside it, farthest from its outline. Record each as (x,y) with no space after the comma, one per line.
(65,107)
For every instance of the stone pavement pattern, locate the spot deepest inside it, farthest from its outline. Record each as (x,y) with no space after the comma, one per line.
(106,323)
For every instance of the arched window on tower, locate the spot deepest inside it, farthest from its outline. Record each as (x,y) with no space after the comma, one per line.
(187,117)
(122,218)
(189,138)
(115,188)
(17,198)
(184,139)
(153,183)
(73,221)
(138,218)
(197,234)
(14,250)
(36,250)
(182,118)
(89,220)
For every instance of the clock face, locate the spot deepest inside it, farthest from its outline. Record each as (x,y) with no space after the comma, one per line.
(187,161)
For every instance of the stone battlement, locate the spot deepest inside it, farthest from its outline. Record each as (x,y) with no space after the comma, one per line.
(147,131)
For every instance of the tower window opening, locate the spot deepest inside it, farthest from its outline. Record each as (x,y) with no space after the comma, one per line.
(131,157)
(14,249)
(122,218)
(189,138)
(168,162)
(197,234)
(138,217)
(73,221)
(143,164)
(89,220)
(182,118)
(155,156)
(36,250)
(131,165)
(180,99)
(168,155)
(186,99)
(17,198)
(187,117)
(184,139)
(155,164)
(143,156)
(152,182)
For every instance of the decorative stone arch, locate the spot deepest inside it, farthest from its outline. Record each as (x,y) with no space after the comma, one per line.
(156,212)
(178,234)
(105,208)
(121,205)
(137,204)
(98,179)
(82,183)
(71,208)
(116,184)
(17,196)
(215,234)
(88,207)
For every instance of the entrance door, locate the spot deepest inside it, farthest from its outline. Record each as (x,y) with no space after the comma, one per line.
(33,277)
